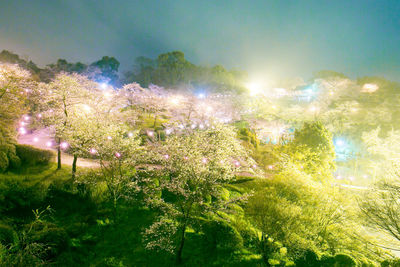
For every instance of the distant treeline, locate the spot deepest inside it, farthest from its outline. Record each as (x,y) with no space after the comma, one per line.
(169,70)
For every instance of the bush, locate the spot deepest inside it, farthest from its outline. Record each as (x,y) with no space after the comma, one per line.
(18,198)
(50,235)
(31,156)
(220,235)
(3,161)
(7,235)
(343,260)
(309,258)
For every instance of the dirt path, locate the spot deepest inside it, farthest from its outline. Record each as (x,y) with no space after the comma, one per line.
(43,139)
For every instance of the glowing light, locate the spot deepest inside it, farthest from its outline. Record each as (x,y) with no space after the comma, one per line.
(185,158)
(369,88)
(103,85)
(86,108)
(22,130)
(313,109)
(150,133)
(64,145)
(193,126)
(26,118)
(209,109)
(201,95)
(201,126)
(118,155)
(109,137)
(340,142)
(204,160)
(166,156)
(35,139)
(237,163)
(130,134)
(39,116)
(168,131)
(181,126)
(93,151)
(270,167)
(22,123)
(254,88)
(49,144)
(331,93)
(254,166)
(175,100)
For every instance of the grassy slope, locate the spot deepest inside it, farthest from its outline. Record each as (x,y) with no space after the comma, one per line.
(96,242)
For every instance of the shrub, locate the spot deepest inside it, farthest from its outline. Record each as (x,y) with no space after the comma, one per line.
(50,235)
(31,156)
(309,258)
(343,260)
(219,234)
(19,198)
(3,161)
(7,235)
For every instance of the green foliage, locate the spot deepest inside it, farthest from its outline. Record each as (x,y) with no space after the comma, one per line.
(3,161)
(7,235)
(220,235)
(31,156)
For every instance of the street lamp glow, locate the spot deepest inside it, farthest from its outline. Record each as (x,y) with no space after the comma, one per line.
(64,145)
(254,88)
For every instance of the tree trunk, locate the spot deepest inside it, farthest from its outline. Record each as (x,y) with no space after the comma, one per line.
(180,248)
(59,154)
(155,120)
(74,167)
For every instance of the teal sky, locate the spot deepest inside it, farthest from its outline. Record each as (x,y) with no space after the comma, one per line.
(266,38)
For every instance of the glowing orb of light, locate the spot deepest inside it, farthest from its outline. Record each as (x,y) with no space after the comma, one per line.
(103,85)
(109,137)
(26,118)
(204,160)
(168,131)
(201,95)
(22,130)
(369,88)
(340,142)
(64,145)
(22,123)
(237,163)
(35,139)
(93,151)
(150,133)
(130,134)
(39,116)
(166,156)
(193,126)
(118,155)
(201,126)
(254,88)
(49,144)
(254,166)
(270,167)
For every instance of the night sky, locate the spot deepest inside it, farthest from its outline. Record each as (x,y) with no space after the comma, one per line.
(271,39)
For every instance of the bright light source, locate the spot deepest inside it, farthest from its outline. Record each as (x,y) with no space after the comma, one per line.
(103,85)
(93,151)
(109,137)
(150,133)
(35,139)
(175,100)
(26,118)
(369,88)
(130,134)
(340,142)
(254,88)
(237,163)
(22,130)
(64,145)
(49,144)
(39,116)
(201,95)
(204,160)
(168,131)
(86,108)
(166,156)
(270,167)
(118,155)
